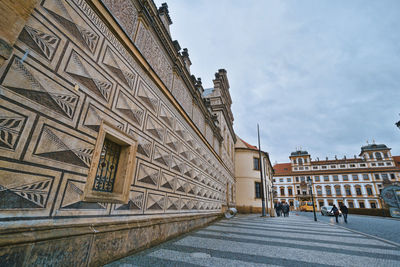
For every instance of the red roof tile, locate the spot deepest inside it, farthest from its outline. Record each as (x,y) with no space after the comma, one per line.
(248,145)
(283,169)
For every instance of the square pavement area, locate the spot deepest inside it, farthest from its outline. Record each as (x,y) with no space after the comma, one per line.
(250,240)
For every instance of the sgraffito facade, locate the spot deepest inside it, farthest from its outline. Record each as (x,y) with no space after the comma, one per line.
(107,142)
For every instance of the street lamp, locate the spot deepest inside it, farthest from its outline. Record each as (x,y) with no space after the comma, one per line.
(312,196)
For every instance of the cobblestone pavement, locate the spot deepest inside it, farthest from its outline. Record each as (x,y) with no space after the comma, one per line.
(249,240)
(386,228)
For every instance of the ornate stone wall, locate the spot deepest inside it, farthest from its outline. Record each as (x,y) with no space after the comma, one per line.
(68,71)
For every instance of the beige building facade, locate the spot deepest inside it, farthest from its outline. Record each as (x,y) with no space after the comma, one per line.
(108,143)
(248,181)
(357,182)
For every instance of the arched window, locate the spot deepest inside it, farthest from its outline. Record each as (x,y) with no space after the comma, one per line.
(338,190)
(348,190)
(319,191)
(358,190)
(378,155)
(369,190)
(328,190)
(294,161)
(300,160)
(305,160)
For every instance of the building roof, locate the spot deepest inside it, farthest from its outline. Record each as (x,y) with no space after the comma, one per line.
(248,145)
(283,169)
(374,147)
(299,153)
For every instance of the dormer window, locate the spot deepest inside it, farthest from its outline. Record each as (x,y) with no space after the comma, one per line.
(385,155)
(378,155)
(300,161)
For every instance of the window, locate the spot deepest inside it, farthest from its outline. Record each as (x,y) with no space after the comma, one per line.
(302,178)
(377,176)
(321,204)
(362,165)
(358,191)
(256,164)
(306,168)
(348,191)
(295,168)
(333,166)
(289,179)
(112,167)
(258,189)
(385,155)
(300,161)
(323,167)
(330,202)
(274,181)
(281,180)
(297,179)
(351,204)
(381,164)
(316,178)
(392,176)
(291,203)
(282,191)
(365,177)
(290,190)
(388,164)
(342,166)
(385,176)
(373,164)
(335,178)
(362,206)
(345,177)
(315,167)
(338,191)
(378,155)
(319,191)
(328,190)
(352,165)
(326,178)
(301,168)
(355,177)
(369,191)
(373,205)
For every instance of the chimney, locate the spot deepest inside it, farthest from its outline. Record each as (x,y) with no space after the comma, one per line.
(186,59)
(164,16)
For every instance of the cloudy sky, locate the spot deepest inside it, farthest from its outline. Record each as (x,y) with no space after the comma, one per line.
(321,75)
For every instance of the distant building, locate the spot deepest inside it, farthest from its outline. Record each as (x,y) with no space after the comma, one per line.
(248,181)
(357,181)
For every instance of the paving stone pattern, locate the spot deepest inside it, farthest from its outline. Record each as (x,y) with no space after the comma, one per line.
(249,240)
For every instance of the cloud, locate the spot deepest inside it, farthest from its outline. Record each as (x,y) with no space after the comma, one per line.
(323,75)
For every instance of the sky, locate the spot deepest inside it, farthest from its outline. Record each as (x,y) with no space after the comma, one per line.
(323,76)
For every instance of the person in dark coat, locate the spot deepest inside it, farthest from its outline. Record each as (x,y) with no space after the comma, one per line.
(344,211)
(278,208)
(335,212)
(285,209)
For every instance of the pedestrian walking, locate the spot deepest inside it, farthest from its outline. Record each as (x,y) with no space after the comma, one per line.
(344,211)
(278,208)
(335,212)
(285,209)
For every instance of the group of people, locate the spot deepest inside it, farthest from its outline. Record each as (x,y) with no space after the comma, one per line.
(343,209)
(282,208)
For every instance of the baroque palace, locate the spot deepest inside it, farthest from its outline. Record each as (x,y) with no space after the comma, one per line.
(108,143)
(357,182)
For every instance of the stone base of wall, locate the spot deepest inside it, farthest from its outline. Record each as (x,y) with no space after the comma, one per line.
(248,209)
(91,244)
